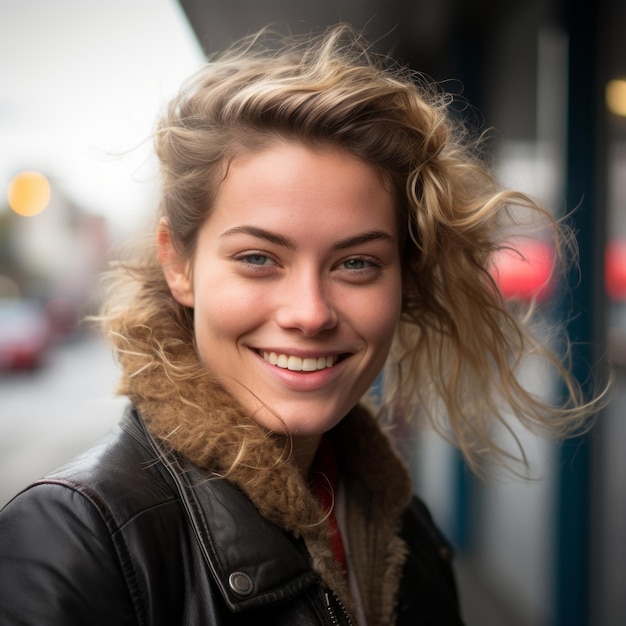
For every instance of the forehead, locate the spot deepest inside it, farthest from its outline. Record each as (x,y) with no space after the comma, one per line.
(271,147)
(291,185)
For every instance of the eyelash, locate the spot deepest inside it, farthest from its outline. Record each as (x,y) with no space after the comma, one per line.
(244,258)
(370,263)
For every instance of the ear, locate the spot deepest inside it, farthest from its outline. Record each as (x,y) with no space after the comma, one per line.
(175,269)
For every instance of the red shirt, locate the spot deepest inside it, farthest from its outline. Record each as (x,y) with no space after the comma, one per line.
(323,479)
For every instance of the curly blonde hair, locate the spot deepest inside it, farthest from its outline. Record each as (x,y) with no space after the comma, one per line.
(460,344)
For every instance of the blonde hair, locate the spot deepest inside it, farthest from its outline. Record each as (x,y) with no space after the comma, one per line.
(459,345)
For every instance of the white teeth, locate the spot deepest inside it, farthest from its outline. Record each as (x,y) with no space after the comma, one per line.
(294,363)
(298,364)
(309,365)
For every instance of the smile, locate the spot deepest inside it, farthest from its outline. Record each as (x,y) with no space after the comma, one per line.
(299,364)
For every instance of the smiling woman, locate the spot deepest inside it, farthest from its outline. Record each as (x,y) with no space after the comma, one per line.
(323,220)
(299,258)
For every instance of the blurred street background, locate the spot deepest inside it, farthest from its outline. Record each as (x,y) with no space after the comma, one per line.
(80,86)
(53,414)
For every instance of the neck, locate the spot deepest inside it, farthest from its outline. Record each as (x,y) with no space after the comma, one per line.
(303,452)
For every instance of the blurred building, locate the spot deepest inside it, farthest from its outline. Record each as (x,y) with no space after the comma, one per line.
(54,255)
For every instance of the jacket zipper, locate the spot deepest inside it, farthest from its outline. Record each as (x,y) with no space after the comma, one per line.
(333,602)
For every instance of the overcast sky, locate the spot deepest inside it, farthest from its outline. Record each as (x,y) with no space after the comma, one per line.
(81,82)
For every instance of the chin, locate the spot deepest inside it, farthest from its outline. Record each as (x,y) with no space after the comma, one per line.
(293,423)
(313,428)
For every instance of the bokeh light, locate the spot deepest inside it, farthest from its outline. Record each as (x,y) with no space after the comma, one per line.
(525,271)
(616,96)
(28,193)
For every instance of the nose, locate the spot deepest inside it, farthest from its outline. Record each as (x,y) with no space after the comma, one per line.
(306,305)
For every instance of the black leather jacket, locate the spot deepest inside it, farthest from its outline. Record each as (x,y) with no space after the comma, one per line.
(129,535)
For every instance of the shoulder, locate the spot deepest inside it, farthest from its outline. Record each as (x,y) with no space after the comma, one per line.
(107,488)
(59,544)
(429,587)
(65,537)
(118,478)
(419,524)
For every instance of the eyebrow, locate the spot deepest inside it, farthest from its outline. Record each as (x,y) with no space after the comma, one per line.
(287,242)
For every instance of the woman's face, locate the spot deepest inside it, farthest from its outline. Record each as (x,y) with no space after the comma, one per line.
(295,284)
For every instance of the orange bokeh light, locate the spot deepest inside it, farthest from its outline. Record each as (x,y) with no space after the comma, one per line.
(615,96)
(28,193)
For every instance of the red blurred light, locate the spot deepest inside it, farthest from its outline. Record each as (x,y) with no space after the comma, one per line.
(615,269)
(525,270)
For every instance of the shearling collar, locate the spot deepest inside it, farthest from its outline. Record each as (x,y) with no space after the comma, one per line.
(195,416)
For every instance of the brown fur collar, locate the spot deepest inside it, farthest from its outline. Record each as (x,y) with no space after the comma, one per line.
(197,418)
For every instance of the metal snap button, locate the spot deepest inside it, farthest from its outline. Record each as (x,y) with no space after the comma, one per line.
(241,583)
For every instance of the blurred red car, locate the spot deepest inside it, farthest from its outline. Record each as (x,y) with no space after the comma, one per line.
(25,335)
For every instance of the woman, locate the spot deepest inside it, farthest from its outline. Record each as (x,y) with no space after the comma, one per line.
(322,216)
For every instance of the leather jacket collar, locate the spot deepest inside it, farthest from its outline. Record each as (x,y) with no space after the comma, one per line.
(252,560)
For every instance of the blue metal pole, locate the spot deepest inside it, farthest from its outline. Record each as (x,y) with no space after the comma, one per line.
(583,307)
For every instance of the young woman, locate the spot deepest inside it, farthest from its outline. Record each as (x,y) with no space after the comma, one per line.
(322,216)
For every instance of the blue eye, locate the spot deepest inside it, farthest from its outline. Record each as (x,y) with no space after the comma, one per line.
(257,259)
(360,264)
(256,263)
(356,264)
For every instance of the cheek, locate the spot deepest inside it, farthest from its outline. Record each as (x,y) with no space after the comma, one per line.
(224,312)
(214,320)
(384,323)
(377,318)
